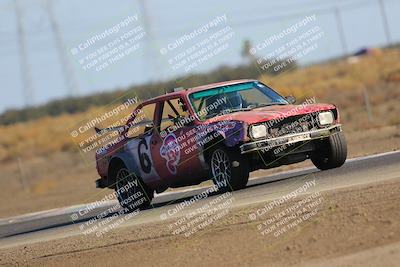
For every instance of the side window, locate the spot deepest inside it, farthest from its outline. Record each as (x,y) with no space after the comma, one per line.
(141,124)
(199,105)
(174,113)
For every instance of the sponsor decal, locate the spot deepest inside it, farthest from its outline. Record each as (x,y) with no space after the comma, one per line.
(171,152)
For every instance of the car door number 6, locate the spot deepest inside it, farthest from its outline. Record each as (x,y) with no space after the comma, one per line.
(145,162)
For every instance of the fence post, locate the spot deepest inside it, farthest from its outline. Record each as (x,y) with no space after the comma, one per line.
(22,178)
(367,104)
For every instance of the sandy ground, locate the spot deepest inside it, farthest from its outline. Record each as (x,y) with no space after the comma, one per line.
(64,180)
(356,226)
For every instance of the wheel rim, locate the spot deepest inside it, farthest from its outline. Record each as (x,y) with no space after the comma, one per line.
(220,166)
(123,178)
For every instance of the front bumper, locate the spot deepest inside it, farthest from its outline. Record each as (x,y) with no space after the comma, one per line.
(267,144)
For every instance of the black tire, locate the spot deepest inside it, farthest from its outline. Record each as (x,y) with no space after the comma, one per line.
(331,153)
(131,192)
(235,168)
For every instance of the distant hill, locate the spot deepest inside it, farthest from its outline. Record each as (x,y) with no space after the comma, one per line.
(345,83)
(79,104)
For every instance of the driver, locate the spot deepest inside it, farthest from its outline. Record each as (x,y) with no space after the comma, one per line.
(233,101)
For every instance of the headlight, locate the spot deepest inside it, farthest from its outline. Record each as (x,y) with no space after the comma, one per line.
(325,118)
(258,131)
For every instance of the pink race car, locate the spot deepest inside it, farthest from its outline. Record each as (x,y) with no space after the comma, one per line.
(221,132)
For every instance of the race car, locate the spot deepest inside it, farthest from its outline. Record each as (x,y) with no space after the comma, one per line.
(219,132)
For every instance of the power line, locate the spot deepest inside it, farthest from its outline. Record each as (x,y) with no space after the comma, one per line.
(276,17)
(326,10)
(293,15)
(342,37)
(27,87)
(150,49)
(68,72)
(302,4)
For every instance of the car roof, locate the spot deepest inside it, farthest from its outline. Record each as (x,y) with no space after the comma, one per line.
(195,89)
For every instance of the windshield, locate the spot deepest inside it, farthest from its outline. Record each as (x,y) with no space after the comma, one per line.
(238,97)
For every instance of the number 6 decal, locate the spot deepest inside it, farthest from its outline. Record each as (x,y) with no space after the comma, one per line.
(145,162)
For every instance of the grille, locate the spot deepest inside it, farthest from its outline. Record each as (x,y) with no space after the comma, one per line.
(292,125)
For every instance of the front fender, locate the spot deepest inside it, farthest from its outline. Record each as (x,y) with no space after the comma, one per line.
(232,133)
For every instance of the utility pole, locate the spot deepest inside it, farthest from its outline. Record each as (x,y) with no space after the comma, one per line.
(152,55)
(385,21)
(70,80)
(340,28)
(147,59)
(27,88)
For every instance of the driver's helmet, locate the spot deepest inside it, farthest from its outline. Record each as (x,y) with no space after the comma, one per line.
(233,100)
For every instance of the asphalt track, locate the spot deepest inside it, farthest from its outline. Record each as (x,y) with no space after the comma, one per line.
(57,223)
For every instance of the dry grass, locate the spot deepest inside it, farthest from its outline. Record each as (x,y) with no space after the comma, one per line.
(49,135)
(58,175)
(340,83)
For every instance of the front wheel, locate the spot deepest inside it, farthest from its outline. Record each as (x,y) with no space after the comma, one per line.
(228,169)
(331,153)
(131,192)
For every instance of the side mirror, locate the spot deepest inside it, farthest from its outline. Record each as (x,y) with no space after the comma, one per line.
(291,99)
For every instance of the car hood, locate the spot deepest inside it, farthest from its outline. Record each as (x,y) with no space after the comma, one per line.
(272,112)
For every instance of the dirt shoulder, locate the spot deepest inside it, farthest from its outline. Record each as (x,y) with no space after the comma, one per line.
(348,222)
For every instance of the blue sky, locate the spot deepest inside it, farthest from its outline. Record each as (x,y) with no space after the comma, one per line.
(164,22)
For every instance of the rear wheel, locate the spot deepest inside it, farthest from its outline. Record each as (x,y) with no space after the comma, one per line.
(331,153)
(131,192)
(228,169)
